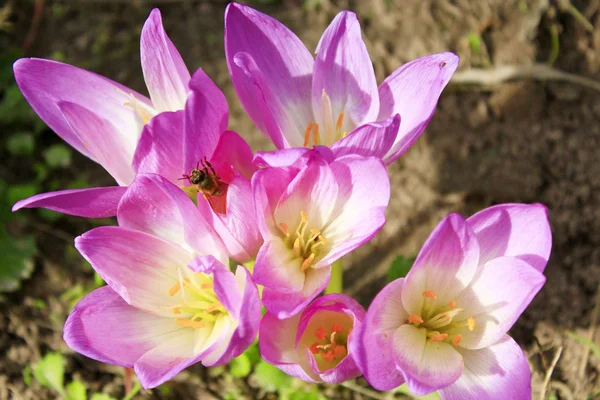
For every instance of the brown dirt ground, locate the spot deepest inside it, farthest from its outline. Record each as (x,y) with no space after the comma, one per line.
(524,141)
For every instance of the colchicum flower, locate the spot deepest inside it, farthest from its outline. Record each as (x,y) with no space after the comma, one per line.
(310,217)
(313,345)
(101,118)
(443,327)
(332,99)
(170,300)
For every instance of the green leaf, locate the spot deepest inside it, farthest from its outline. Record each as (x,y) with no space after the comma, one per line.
(400,267)
(16,259)
(98,281)
(586,342)
(76,391)
(102,396)
(49,215)
(253,353)
(240,367)
(20,192)
(73,294)
(58,156)
(404,389)
(28,375)
(305,393)
(21,144)
(271,379)
(49,372)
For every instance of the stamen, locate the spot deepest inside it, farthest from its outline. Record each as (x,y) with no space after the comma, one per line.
(456,339)
(414,318)
(307,133)
(443,319)
(430,293)
(339,352)
(175,288)
(297,246)
(284,228)
(439,337)
(308,261)
(189,324)
(471,323)
(338,125)
(452,304)
(314,348)
(327,118)
(320,333)
(316,139)
(337,328)
(328,356)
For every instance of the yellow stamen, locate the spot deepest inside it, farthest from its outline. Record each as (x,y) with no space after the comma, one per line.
(471,323)
(439,337)
(189,324)
(456,339)
(308,261)
(176,310)
(452,304)
(317,141)
(176,287)
(284,228)
(430,293)
(415,319)
(307,133)
(340,120)
(297,246)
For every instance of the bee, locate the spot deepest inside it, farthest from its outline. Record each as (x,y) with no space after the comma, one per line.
(210,184)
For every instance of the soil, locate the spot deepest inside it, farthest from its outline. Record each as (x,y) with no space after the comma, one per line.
(522,141)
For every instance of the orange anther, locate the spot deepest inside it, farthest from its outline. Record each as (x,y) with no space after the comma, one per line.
(176,310)
(320,333)
(440,337)
(337,328)
(307,133)
(316,135)
(306,263)
(284,228)
(189,323)
(340,120)
(471,323)
(430,293)
(456,339)
(339,352)
(314,348)
(452,304)
(175,288)
(328,356)
(414,318)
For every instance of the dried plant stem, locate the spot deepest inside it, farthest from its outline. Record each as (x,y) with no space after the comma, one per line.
(499,75)
(549,372)
(590,335)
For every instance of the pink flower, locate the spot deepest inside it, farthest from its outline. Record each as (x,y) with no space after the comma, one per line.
(170,300)
(332,99)
(100,118)
(309,217)
(443,327)
(313,345)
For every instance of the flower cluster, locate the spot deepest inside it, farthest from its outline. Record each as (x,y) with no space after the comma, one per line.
(191,197)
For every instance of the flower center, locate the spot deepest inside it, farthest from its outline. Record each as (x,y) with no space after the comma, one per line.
(304,243)
(331,345)
(440,321)
(330,132)
(142,110)
(199,306)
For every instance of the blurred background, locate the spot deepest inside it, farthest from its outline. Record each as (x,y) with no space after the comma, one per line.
(534,138)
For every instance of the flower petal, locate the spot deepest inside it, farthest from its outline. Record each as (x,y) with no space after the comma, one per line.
(45,83)
(156,206)
(161,147)
(165,73)
(206,118)
(427,366)
(99,202)
(278,268)
(141,268)
(364,193)
(343,69)
(271,71)
(518,230)
(279,158)
(233,157)
(102,140)
(370,140)
(499,293)
(371,349)
(413,91)
(446,264)
(498,372)
(104,327)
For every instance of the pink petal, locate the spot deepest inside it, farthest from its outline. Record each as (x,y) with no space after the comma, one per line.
(500,292)
(104,327)
(280,158)
(141,268)
(427,366)
(370,140)
(372,347)
(278,268)
(206,118)
(446,264)
(518,230)
(233,157)
(102,140)
(165,73)
(45,83)
(364,192)
(271,71)
(497,372)
(160,148)
(156,206)
(285,304)
(99,202)
(343,69)
(413,91)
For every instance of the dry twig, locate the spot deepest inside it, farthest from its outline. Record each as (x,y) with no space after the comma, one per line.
(549,372)
(590,336)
